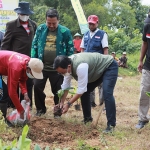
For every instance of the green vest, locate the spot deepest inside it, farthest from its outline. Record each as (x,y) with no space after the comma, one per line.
(97,62)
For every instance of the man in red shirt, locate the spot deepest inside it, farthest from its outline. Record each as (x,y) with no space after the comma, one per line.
(77,41)
(18,67)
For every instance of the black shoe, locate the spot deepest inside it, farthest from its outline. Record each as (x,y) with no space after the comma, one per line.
(93,104)
(40,113)
(141,124)
(86,120)
(109,129)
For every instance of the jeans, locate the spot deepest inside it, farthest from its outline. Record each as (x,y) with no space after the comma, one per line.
(108,79)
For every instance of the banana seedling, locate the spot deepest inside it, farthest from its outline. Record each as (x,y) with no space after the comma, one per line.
(57,109)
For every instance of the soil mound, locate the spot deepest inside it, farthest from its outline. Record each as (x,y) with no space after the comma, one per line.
(57,130)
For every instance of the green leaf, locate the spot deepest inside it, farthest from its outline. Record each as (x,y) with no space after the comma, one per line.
(23,142)
(37,147)
(47,148)
(148,94)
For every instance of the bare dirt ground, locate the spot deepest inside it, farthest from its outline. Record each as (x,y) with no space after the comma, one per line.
(70,132)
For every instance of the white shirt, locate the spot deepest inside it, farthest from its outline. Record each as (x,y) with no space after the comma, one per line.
(104,41)
(82,73)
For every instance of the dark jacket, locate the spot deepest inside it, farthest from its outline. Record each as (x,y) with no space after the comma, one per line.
(16,38)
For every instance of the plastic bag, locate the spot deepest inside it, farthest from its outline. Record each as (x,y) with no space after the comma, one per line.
(14,116)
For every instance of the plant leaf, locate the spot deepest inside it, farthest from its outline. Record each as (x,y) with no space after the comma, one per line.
(37,147)
(148,94)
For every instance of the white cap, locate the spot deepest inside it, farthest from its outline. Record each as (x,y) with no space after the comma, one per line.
(36,66)
(113,52)
(124,53)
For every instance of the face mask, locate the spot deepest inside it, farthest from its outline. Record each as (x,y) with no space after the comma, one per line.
(24,17)
(29,75)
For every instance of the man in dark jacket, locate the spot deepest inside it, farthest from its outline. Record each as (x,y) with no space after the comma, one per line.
(18,36)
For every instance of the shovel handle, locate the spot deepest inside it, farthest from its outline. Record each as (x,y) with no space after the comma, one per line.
(98,116)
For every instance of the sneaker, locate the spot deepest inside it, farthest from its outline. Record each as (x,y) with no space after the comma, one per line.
(141,124)
(109,129)
(40,113)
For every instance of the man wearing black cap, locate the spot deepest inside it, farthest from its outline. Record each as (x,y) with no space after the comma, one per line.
(19,34)
(144,68)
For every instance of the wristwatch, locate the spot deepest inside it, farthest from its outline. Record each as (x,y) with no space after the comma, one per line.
(69,104)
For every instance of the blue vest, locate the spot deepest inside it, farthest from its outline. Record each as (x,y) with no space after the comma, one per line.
(93,44)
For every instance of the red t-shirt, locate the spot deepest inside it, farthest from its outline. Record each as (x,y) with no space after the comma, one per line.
(77,44)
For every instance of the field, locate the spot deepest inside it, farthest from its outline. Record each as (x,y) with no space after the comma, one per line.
(70,132)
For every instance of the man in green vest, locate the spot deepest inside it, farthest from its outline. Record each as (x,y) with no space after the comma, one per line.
(90,70)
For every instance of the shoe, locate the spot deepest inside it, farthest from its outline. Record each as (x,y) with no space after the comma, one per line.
(109,129)
(40,113)
(141,124)
(93,104)
(87,120)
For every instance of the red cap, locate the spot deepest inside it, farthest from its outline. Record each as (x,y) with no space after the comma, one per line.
(93,19)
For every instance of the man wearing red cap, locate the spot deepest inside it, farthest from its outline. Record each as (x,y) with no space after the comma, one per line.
(95,40)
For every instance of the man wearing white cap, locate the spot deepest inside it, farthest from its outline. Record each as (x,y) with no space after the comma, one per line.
(18,67)
(123,60)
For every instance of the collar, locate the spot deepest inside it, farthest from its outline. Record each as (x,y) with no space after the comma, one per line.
(19,24)
(94,31)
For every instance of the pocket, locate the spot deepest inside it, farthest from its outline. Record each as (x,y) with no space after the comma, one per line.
(97,43)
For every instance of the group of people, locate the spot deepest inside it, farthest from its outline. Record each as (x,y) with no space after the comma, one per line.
(30,55)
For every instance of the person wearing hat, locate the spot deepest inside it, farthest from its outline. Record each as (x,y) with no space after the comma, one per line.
(95,40)
(18,37)
(144,68)
(114,56)
(51,39)
(18,67)
(123,60)
(77,42)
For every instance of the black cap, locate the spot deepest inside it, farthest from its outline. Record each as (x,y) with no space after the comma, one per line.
(147,20)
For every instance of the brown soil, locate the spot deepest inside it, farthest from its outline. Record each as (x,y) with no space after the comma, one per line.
(59,131)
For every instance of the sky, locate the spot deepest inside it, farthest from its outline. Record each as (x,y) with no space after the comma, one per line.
(145,2)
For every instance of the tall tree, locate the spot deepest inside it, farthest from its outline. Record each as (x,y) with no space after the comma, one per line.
(122,16)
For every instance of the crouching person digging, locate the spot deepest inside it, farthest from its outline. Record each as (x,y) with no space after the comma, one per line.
(18,67)
(90,70)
